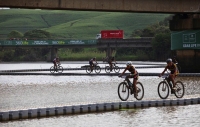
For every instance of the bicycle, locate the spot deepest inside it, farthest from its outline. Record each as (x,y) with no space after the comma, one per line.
(59,69)
(163,88)
(126,87)
(114,67)
(96,68)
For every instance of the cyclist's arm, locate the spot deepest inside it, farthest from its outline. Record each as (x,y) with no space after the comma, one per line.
(123,72)
(163,71)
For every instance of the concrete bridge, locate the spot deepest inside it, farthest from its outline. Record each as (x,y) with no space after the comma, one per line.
(147,6)
(100,43)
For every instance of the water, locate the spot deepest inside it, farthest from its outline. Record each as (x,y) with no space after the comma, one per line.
(25,92)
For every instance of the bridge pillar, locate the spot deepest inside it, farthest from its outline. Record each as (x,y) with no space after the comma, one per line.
(53,53)
(109,51)
(188,59)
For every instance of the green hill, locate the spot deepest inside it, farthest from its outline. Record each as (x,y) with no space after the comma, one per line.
(73,24)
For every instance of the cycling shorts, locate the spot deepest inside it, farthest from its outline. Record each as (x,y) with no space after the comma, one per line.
(135,76)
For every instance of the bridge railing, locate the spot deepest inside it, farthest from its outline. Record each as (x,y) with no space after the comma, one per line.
(133,42)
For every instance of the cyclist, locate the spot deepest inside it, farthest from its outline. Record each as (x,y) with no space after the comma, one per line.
(110,62)
(55,62)
(91,62)
(174,71)
(134,74)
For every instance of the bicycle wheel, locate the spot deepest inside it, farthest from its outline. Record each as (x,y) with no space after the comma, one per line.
(88,70)
(163,90)
(140,91)
(107,69)
(60,69)
(180,89)
(116,69)
(123,91)
(52,69)
(97,69)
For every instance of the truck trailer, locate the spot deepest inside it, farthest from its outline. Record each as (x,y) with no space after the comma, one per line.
(110,34)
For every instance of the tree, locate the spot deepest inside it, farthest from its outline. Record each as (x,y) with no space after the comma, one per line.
(161,45)
(15,34)
(37,34)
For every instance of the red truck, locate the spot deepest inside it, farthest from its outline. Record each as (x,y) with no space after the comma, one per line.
(111,34)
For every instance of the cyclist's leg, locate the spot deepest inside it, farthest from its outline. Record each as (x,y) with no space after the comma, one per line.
(172,77)
(135,79)
(91,64)
(110,64)
(54,65)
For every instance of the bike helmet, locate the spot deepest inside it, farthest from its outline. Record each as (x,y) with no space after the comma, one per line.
(129,63)
(169,60)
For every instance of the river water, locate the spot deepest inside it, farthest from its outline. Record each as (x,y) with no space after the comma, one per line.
(37,91)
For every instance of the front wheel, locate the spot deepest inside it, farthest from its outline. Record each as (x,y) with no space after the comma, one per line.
(163,90)
(60,69)
(116,69)
(140,91)
(52,69)
(180,89)
(97,69)
(123,91)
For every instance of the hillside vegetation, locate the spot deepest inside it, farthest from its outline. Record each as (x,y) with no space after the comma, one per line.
(57,24)
(63,24)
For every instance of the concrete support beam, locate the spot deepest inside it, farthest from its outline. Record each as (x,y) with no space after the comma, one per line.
(189,60)
(154,6)
(185,22)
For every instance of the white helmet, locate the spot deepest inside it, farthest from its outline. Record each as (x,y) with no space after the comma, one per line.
(129,63)
(169,60)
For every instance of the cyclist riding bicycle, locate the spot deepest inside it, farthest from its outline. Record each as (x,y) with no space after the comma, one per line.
(91,62)
(174,71)
(134,74)
(55,62)
(110,62)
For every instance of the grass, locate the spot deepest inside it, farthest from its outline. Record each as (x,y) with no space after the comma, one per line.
(85,55)
(73,24)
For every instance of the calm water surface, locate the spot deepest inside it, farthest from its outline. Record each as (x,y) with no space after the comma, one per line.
(25,92)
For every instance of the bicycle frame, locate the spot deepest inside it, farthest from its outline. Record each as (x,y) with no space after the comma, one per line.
(167,80)
(126,80)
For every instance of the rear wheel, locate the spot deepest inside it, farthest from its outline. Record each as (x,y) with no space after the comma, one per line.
(52,69)
(140,91)
(88,70)
(163,90)
(180,89)
(123,91)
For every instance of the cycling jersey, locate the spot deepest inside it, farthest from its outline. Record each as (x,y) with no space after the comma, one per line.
(172,68)
(131,69)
